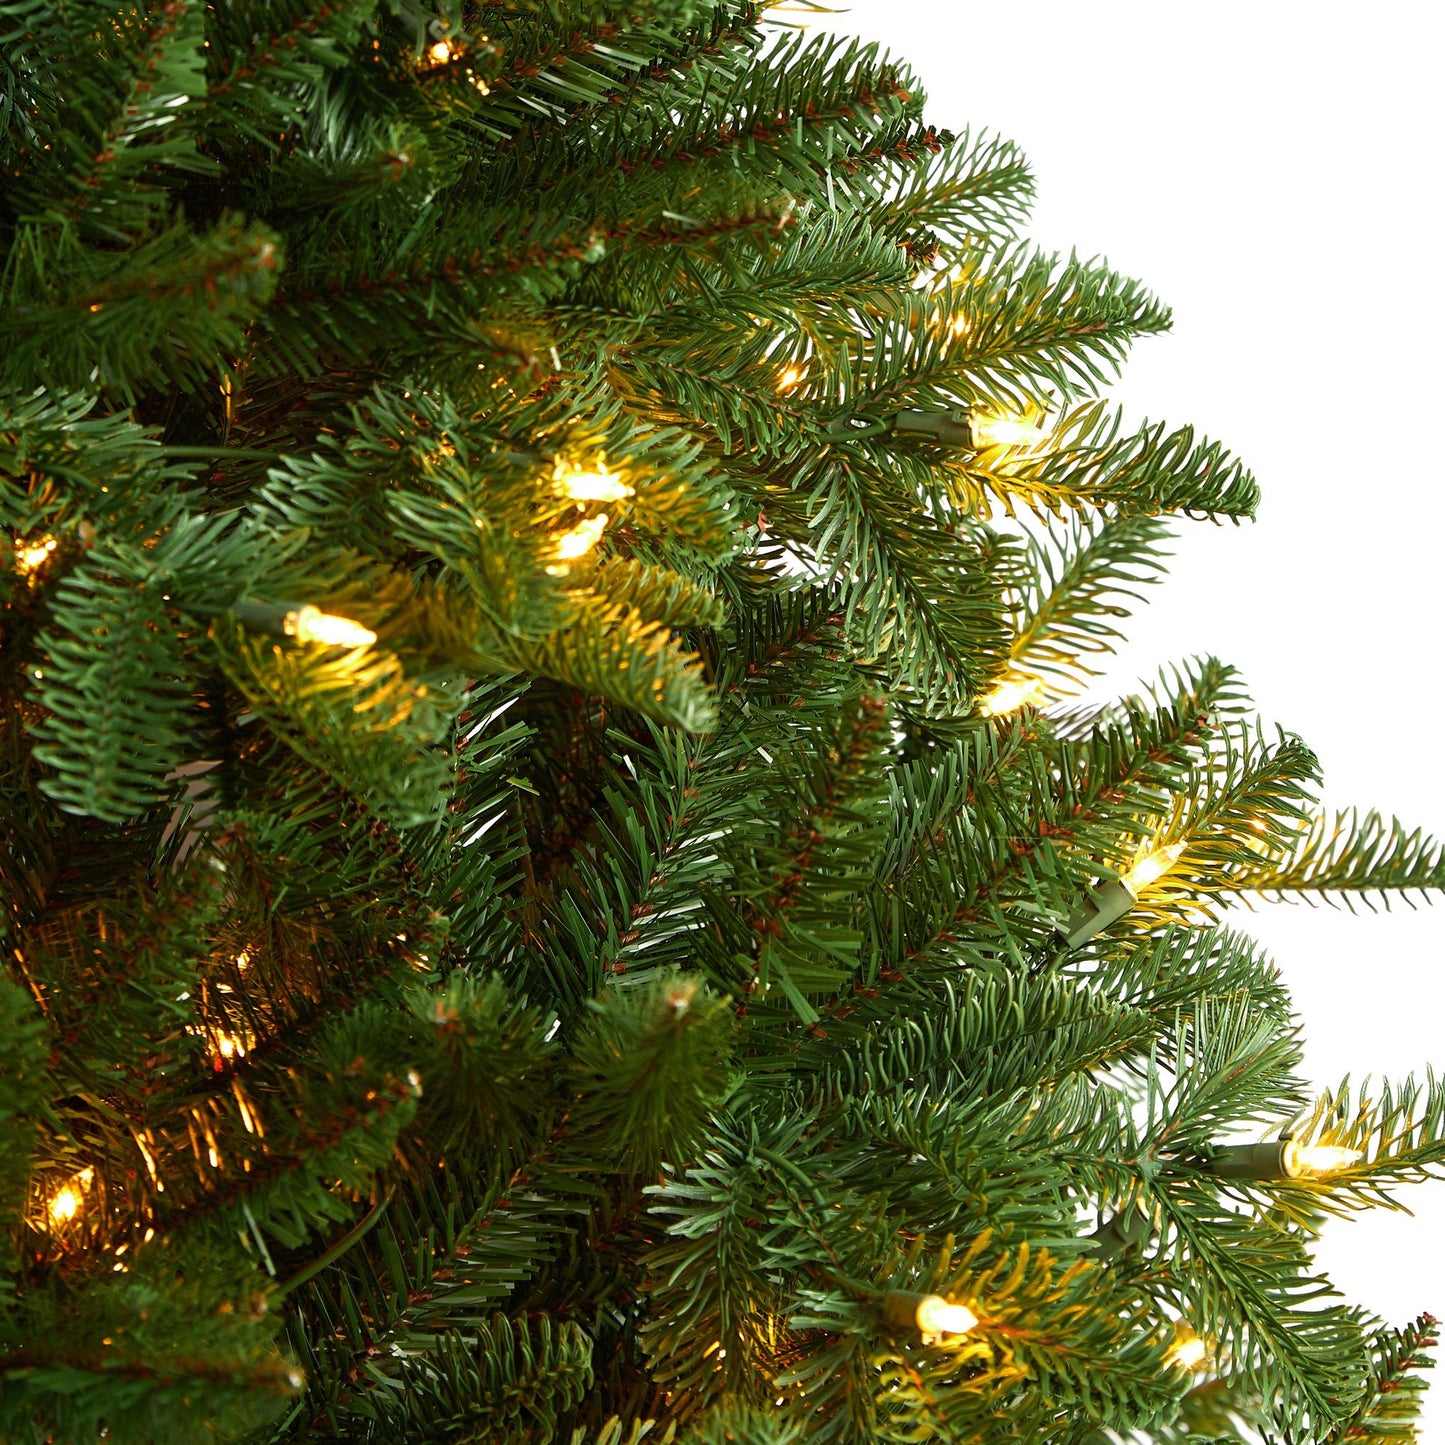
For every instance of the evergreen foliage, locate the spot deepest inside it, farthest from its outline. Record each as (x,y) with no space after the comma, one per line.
(582,997)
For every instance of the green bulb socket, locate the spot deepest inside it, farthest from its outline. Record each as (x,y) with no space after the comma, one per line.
(1106,904)
(899,1308)
(1129,1226)
(264,616)
(948,428)
(1249,1161)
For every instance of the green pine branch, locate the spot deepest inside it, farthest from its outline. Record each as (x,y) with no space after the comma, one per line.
(537,78)
(511,1378)
(175,305)
(1015,323)
(1087,463)
(1250,1292)
(1344,857)
(978,186)
(112,659)
(1078,584)
(1399,1128)
(144,1350)
(1389,1414)
(649,1064)
(123,129)
(706,1278)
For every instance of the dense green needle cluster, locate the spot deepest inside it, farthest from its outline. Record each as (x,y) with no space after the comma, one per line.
(547,547)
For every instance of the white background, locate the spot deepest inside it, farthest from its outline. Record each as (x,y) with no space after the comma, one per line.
(1271,170)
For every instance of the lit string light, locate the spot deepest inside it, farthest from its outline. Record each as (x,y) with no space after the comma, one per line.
(1005,431)
(1280,1159)
(958,427)
(227,1046)
(933,1316)
(1151,867)
(1011,694)
(1186,1353)
(578,541)
(69,1199)
(311,624)
(936,1317)
(1109,902)
(589,484)
(30,557)
(64,1204)
(1303,1161)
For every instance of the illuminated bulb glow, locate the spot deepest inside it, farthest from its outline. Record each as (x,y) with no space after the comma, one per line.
(594,484)
(936,1316)
(31,556)
(310,624)
(229,1046)
(441,52)
(1153,865)
(581,539)
(64,1205)
(1011,694)
(66,1201)
(1186,1354)
(1301,1161)
(789,377)
(1005,431)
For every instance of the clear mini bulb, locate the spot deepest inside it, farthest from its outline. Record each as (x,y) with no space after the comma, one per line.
(1005,431)
(1151,867)
(590,484)
(1187,1353)
(311,624)
(228,1045)
(936,1317)
(582,538)
(1303,1161)
(1011,694)
(31,556)
(66,1202)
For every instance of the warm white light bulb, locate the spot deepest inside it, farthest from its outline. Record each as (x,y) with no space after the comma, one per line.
(582,538)
(1005,431)
(1153,865)
(590,484)
(310,624)
(1187,1353)
(790,376)
(31,556)
(1304,1160)
(1011,694)
(936,1316)
(64,1204)
(441,52)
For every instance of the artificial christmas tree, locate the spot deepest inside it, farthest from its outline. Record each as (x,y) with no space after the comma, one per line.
(551,893)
